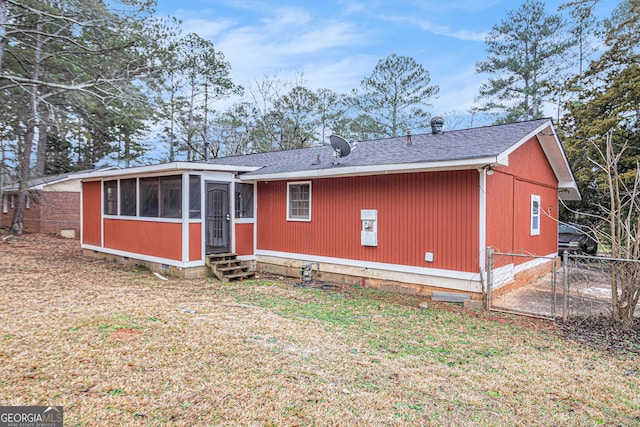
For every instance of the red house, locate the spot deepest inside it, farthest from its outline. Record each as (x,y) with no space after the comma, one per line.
(407,213)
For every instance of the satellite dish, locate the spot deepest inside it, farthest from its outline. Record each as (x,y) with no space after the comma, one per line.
(340,145)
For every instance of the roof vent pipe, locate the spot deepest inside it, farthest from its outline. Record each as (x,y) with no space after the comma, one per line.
(436,125)
(408,136)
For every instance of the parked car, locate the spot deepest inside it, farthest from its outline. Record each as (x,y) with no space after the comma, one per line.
(576,239)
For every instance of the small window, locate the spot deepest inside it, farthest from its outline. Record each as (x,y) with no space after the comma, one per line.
(111,197)
(194,196)
(299,201)
(5,204)
(128,197)
(244,200)
(535,215)
(13,201)
(27,201)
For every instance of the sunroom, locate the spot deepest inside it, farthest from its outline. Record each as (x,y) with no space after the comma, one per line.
(169,217)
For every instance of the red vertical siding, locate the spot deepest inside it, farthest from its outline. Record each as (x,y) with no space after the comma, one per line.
(195,241)
(509,192)
(547,242)
(91,215)
(417,213)
(244,239)
(157,239)
(500,216)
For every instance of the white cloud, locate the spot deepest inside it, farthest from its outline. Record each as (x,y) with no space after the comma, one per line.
(283,40)
(441,30)
(340,76)
(286,17)
(328,36)
(207,29)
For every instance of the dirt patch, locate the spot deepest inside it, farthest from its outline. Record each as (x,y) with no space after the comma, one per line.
(601,333)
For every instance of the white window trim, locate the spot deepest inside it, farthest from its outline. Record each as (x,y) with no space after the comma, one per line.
(535,231)
(289,184)
(5,204)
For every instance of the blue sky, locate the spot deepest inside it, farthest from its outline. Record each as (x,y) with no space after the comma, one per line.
(335,43)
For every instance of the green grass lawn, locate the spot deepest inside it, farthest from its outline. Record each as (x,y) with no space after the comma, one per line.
(118,346)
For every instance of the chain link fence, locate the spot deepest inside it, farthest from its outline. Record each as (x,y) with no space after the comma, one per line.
(553,286)
(523,284)
(589,282)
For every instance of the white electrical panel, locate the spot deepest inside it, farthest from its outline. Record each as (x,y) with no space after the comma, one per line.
(369,231)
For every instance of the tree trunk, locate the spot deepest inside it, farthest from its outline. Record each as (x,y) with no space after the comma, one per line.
(41,153)
(17,223)
(24,161)
(3,29)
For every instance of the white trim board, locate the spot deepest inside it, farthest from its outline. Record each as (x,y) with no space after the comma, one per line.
(143,257)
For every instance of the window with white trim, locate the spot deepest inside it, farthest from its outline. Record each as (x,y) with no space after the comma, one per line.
(128,197)
(195,207)
(161,196)
(535,215)
(299,201)
(111,197)
(244,200)
(5,204)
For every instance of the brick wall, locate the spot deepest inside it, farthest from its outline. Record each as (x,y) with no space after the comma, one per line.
(59,210)
(31,215)
(49,212)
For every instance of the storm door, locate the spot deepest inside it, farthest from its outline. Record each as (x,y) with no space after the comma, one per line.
(218,218)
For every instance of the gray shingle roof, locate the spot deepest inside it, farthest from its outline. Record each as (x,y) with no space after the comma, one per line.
(453,145)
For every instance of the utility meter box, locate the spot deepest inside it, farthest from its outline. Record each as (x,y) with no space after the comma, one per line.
(369,231)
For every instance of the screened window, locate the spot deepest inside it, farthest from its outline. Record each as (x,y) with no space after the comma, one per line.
(535,215)
(244,200)
(111,197)
(128,197)
(299,201)
(194,196)
(161,197)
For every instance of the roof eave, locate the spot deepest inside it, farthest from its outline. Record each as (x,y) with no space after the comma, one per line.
(396,168)
(165,167)
(568,191)
(552,147)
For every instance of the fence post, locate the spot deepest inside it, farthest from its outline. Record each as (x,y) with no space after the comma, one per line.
(489,277)
(565,286)
(554,279)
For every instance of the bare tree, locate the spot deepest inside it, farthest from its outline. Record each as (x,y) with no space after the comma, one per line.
(619,227)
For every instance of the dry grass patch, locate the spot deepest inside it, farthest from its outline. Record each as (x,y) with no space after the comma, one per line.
(117,346)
